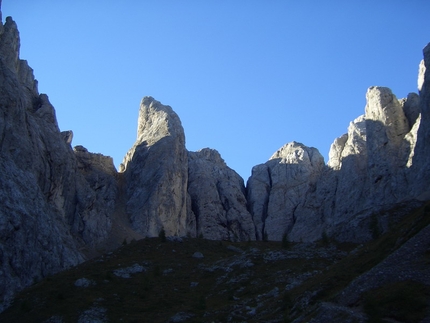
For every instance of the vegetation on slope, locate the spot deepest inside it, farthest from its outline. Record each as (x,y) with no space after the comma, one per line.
(233,282)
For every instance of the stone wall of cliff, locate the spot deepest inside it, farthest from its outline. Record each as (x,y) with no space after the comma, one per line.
(380,164)
(51,200)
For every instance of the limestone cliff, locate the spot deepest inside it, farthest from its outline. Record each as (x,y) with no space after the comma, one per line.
(49,209)
(420,167)
(156,172)
(380,164)
(276,188)
(180,192)
(218,200)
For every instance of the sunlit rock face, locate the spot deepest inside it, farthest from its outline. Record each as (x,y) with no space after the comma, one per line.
(181,192)
(277,188)
(156,172)
(380,163)
(372,176)
(218,198)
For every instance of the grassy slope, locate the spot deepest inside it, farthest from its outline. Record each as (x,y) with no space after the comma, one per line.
(268,281)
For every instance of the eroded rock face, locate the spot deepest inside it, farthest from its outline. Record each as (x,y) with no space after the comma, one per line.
(96,195)
(420,167)
(47,206)
(277,188)
(351,144)
(156,172)
(181,192)
(377,165)
(34,161)
(386,126)
(218,200)
(376,178)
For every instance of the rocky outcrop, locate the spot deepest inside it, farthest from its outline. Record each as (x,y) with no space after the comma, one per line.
(156,173)
(420,167)
(369,173)
(35,239)
(96,195)
(181,192)
(217,195)
(48,208)
(276,188)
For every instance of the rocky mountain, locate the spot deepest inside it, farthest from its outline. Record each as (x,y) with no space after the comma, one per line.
(217,196)
(156,173)
(54,201)
(370,170)
(61,205)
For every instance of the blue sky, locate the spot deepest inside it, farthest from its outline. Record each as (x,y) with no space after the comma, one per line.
(245,77)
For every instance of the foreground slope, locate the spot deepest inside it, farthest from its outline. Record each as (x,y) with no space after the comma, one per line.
(198,280)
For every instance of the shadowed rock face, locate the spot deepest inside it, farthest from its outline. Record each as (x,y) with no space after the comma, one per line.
(49,209)
(35,239)
(420,165)
(96,196)
(218,198)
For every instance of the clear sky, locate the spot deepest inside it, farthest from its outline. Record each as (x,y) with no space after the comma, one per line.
(245,77)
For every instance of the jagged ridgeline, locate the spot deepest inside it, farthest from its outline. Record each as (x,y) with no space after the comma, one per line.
(62,205)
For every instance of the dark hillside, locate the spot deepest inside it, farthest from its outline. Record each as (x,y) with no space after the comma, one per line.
(158,280)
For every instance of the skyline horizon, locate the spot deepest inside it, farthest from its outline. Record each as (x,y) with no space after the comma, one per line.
(244,78)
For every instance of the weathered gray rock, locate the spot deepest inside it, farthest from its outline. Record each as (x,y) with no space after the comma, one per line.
(350,144)
(126,272)
(373,175)
(184,193)
(218,198)
(420,167)
(96,195)
(84,282)
(49,209)
(198,255)
(386,127)
(286,178)
(411,108)
(257,195)
(156,173)
(36,184)
(67,136)
(377,166)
